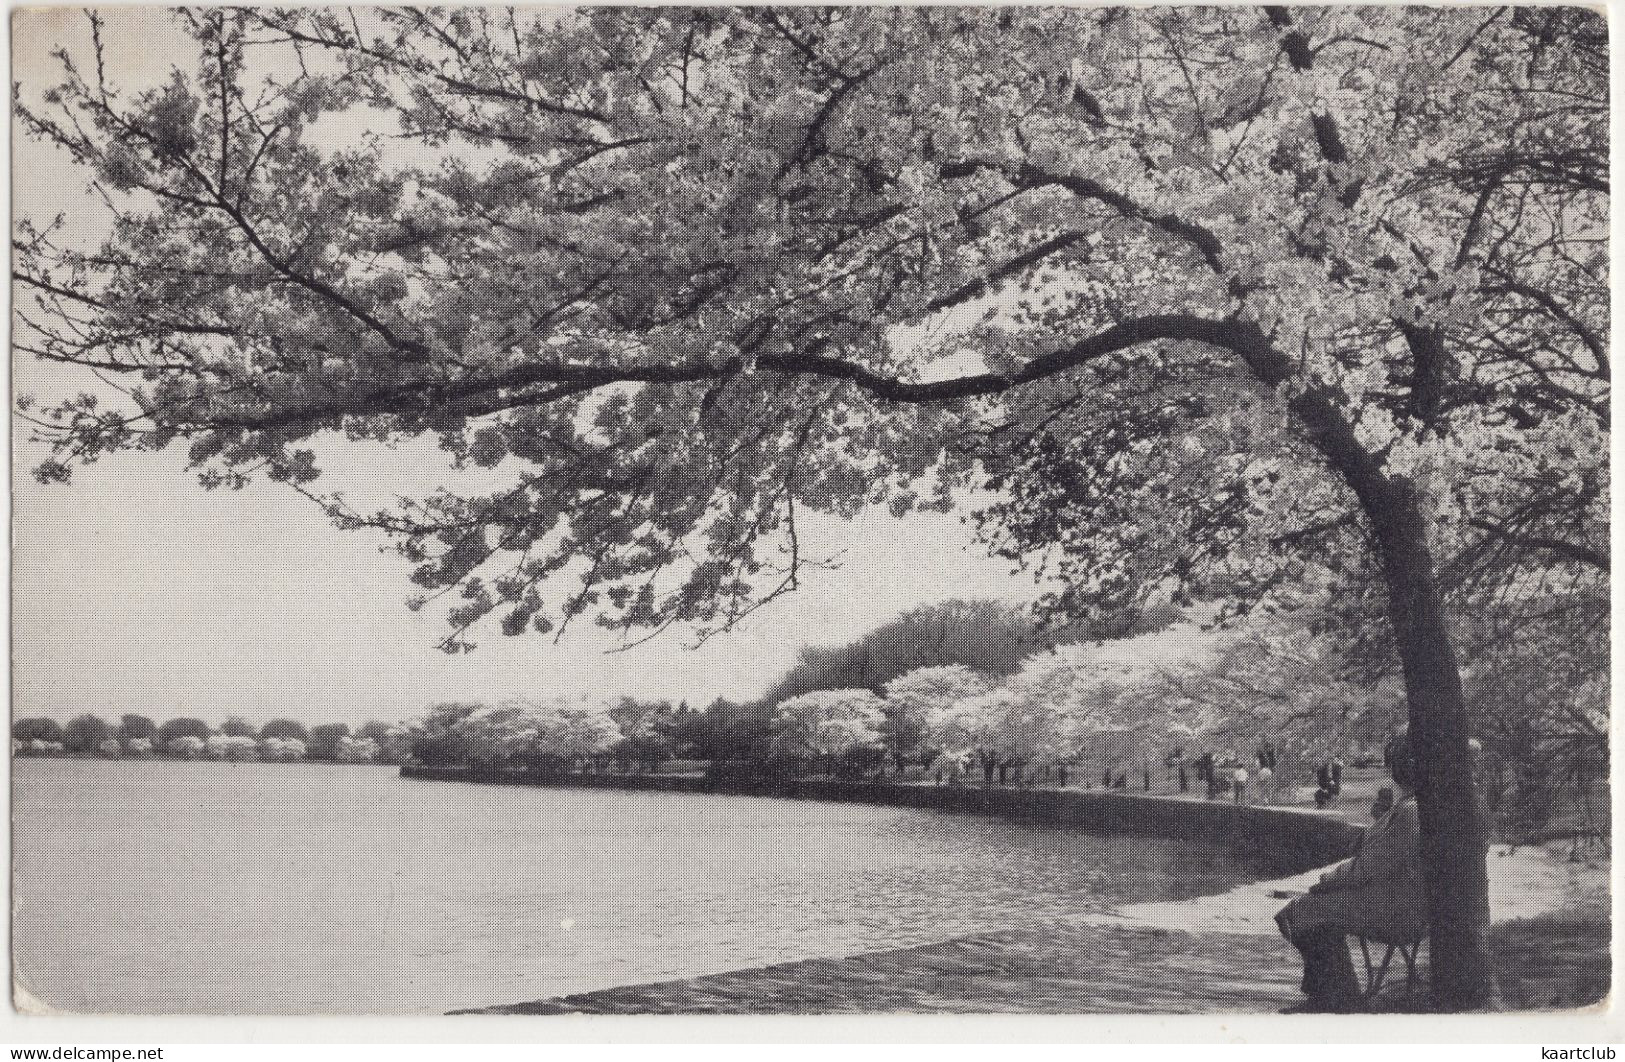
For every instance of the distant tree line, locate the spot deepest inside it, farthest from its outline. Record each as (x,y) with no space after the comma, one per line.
(976,692)
(186,738)
(989,636)
(830,711)
(629,734)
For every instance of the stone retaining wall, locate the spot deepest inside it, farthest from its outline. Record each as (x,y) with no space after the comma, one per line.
(1293,840)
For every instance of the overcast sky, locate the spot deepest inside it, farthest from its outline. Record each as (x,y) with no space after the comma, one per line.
(135,590)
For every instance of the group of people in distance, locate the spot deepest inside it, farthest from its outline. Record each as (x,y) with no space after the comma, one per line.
(1223,775)
(1235,780)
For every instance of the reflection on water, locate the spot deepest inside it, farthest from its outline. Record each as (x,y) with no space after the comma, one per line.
(187,888)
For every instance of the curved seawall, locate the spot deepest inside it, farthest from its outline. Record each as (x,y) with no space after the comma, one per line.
(1293,840)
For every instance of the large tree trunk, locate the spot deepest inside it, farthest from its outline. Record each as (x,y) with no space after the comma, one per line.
(1454,835)
(1453,831)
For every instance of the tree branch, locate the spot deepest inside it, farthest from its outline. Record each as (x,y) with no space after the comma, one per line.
(1572,551)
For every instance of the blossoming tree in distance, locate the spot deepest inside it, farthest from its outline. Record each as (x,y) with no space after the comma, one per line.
(828,727)
(915,699)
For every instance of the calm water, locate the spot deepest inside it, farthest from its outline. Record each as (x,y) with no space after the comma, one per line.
(179,887)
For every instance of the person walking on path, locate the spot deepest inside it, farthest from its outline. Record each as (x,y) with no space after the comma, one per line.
(1266,785)
(1324,790)
(1238,781)
(1380,893)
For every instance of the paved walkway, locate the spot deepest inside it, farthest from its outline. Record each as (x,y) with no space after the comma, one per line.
(1215,954)
(1544,964)
(1074,970)
(1360,785)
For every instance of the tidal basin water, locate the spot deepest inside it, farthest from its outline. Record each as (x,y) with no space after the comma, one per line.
(260,888)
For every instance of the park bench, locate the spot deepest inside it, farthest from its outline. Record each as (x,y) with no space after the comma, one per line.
(1376,975)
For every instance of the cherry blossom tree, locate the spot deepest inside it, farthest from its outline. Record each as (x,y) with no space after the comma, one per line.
(231,747)
(829,727)
(500,733)
(281,750)
(647,731)
(1008,726)
(1538,674)
(273,750)
(986,635)
(1195,291)
(1094,708)
(392,740)
(575,730)
(516,730)
(434,738)
(913,699)
(186,747)
(356,750)
(1275,674)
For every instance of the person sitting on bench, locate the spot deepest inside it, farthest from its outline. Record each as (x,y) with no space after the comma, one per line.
(1380,894)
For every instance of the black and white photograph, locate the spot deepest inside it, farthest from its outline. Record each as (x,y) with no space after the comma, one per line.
(787,510)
